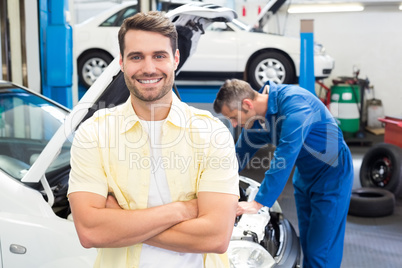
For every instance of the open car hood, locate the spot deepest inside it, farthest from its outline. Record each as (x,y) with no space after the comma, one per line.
(269,9)
(190,21)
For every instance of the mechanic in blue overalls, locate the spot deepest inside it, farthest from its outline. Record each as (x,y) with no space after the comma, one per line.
(306,136)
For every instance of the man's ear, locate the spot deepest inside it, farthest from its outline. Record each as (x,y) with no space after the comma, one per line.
(247,104)
(176,59)
(121,63)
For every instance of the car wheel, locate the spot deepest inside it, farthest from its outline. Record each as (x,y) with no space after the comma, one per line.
(91,66)
(382,168)
(371,202)
(270,66)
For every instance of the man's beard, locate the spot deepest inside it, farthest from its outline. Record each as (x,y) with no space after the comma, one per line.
(166,87)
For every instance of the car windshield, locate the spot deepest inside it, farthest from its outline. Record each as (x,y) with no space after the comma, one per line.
(220,26)
(117,19)
(27,123)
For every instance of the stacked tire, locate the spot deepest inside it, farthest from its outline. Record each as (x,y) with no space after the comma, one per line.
(371,202)
(381,180)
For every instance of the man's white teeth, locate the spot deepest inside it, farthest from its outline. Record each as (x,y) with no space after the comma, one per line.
(149,81)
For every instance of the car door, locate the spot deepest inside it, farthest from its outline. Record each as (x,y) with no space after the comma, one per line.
(216,51)
(35,241)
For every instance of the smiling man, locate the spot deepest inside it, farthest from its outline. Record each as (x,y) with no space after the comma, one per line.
(130,194)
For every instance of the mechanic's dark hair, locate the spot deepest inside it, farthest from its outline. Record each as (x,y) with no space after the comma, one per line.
(153,21)
(232,93)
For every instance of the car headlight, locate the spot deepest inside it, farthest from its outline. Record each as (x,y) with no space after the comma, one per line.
(319,49)
(247,254)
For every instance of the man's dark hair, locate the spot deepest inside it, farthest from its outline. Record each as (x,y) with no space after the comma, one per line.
(232,93)
(153,21)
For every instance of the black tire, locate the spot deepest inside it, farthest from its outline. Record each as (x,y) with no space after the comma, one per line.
(371,202)
(270,66)
(91,65)
(382,168)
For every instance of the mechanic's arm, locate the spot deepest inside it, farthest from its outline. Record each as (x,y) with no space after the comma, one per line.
(98,226)
(209,232)
(296,126)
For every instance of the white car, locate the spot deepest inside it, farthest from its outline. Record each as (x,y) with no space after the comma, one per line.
(226,50)
(36,229)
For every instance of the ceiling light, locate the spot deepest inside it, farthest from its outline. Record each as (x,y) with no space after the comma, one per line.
(400,7)
(317,8)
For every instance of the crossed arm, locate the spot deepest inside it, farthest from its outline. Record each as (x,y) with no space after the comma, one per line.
(200,225)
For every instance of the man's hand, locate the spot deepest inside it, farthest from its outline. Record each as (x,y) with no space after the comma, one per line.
(248,208)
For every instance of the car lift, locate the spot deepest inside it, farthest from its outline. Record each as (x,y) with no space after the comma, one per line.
(24,33)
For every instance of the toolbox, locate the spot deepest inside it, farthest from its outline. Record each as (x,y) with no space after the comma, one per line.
(393,130)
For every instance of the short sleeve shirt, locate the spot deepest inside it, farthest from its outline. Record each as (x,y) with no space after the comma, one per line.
(110,154)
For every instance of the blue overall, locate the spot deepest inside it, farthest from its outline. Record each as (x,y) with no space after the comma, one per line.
(306,136)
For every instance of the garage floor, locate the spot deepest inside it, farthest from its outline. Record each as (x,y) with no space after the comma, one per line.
(369,242)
